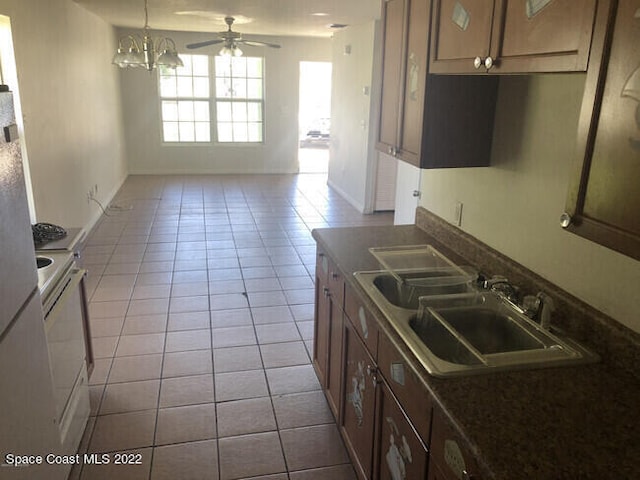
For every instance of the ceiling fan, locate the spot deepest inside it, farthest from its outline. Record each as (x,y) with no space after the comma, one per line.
(231,41)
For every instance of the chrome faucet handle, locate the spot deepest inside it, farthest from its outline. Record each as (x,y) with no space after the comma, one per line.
(501,286)
(545,309)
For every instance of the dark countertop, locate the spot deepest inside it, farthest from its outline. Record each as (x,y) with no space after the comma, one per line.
(554,423)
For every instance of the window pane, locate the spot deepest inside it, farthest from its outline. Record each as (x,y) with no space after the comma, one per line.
(239,66)
(240,132)
(224,132)
(254,67)
(239,88)
(170,131)
(200,65)
(223,89)
(185,119)
(223,66)
(187,69)
(223,111)
(254,88)
(169,111)
(239,78)
(201,87)
(239,112)
(185,111)
(255,132)
(203,132)
(201,111)
(187,132)
(254,111)
(185,87)
(168,86)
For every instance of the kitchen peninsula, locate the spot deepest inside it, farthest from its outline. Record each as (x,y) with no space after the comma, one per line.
(567,422)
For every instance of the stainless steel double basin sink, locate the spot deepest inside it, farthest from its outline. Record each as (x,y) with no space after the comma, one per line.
(456,329)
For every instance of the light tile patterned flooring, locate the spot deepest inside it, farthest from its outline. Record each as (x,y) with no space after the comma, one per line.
(201,305)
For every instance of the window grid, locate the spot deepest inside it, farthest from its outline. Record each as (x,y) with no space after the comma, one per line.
(239,99)
(185,104)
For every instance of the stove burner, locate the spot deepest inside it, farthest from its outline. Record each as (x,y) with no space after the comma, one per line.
(46,232)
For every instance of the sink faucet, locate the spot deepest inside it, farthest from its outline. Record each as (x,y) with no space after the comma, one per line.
(501,286)
(545,307)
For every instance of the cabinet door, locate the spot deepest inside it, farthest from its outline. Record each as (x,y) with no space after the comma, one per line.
(542,35)
(401,454)
(461,31)
(359,399)
(415,76)
(604,198)
(392,78)
(322,314)
(449,452)
(334,376)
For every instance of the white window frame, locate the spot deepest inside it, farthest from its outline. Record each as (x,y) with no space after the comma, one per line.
(189,113)
(254,105)
(235,87)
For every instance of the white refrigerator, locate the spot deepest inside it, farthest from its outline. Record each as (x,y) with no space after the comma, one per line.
(27,411)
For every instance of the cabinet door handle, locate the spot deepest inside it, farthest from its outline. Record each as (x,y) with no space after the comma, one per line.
(488,63)
(334,275)
(477,62)
(326,292)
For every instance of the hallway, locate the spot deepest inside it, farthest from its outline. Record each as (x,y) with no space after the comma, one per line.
(201,302)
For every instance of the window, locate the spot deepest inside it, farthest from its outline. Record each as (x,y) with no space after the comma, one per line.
(184,94)
(187,101)
(239,99)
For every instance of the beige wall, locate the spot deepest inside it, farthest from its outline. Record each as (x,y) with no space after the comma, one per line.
(278,154)
(351,145)
(70,100)
(515,205)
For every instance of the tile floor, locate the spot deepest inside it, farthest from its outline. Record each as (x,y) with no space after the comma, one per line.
(201,304)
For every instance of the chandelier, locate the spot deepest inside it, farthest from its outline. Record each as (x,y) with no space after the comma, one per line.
(142,50)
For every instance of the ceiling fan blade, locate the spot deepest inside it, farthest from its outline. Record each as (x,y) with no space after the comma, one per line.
(204,44)
(254,43)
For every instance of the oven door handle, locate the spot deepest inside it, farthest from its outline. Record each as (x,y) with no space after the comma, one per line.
(76,277)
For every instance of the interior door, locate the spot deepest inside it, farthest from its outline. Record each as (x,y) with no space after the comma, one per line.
(407,193)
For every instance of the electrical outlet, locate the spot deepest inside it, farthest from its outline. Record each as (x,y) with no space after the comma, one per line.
(457,215)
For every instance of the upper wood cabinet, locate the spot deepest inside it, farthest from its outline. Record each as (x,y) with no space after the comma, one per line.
(509,36)
(427,121)
(404,73)
(603,203)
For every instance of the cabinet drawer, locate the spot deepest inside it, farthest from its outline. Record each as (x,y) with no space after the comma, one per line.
(450,452)
(406,386)
(364,323)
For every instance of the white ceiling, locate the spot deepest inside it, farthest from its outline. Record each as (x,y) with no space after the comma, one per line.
(261,17)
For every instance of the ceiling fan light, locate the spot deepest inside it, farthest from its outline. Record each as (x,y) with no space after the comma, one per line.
(225,52)
(237,52)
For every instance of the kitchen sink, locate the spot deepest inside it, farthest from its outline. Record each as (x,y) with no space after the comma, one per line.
(455,329)
(407,292)
(42,262)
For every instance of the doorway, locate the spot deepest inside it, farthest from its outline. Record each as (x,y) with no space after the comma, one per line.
(314,117)
(9,77)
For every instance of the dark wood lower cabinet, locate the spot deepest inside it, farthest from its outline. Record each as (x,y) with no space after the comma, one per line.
(401,453)
(360,385)
(334,377)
